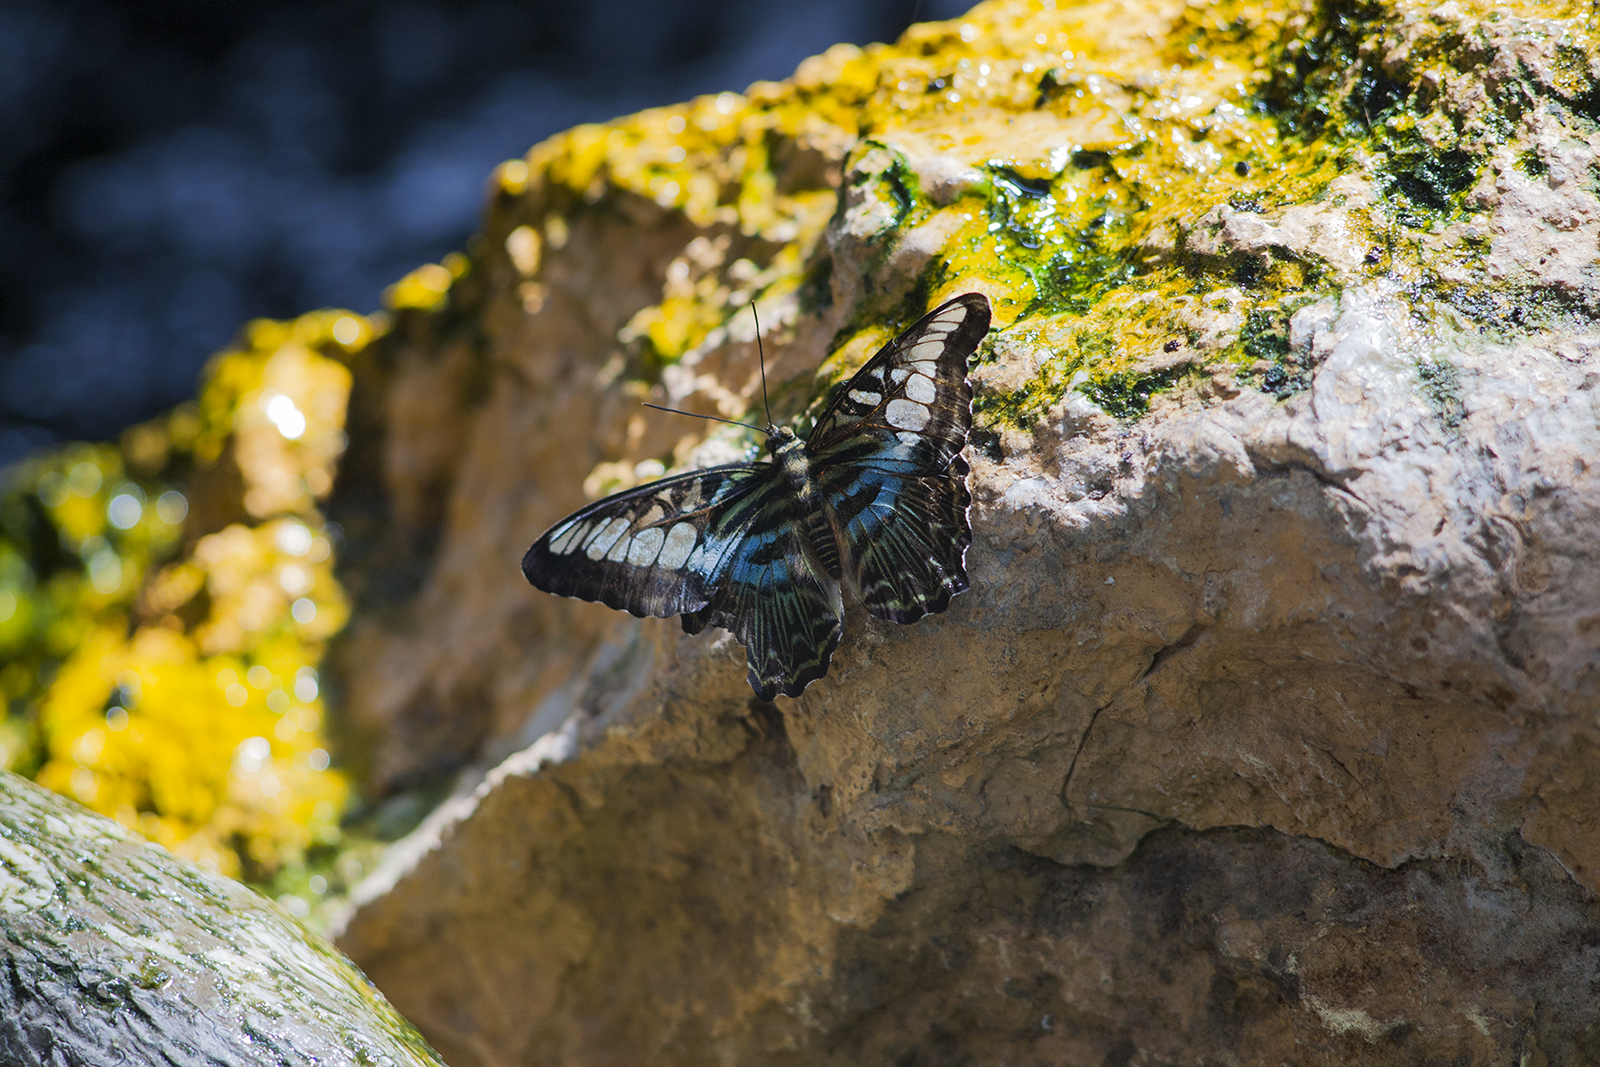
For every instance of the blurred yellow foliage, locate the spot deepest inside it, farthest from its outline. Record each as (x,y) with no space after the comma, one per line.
(189,750)
(177,691)
(426,287)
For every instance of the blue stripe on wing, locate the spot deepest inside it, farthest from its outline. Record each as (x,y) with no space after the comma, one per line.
(887,464)
(906,537)
(776,598)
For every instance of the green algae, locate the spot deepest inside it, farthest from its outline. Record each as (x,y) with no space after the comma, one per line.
(1126,395)
(1441,384)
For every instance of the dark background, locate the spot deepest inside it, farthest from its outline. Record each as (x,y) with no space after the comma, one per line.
(171,168)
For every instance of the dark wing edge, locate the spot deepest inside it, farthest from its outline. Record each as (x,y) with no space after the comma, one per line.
(652,550)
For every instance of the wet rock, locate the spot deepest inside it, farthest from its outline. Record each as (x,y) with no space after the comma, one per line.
(116,951)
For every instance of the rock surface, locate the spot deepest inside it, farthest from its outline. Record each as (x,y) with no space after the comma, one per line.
(1270,728)
(116,951)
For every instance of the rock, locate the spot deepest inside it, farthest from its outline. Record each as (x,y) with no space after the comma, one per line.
(1268,730)
(116,951)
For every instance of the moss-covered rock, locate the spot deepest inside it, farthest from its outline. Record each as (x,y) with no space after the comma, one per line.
(1264,734)
(116,951)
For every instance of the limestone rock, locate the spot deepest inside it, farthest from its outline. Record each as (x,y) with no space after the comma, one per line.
(1269,728)
(116,951)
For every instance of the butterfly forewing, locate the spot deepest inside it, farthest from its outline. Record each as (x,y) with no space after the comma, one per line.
(655,550)
(724,547)
(913,394)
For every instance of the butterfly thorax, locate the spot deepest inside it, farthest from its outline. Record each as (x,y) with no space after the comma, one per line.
(789,452)
(790,456)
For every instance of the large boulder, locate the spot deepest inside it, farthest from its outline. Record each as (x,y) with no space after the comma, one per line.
(1269,730)
(118,952)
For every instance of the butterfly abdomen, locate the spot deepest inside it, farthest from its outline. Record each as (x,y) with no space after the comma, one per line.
(823,539)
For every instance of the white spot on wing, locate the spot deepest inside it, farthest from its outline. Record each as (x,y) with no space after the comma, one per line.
(568,538)
(644,546)
(927,350)
(680,541)
(898,375)
(619,551)
(920,388)
(904,415)
(861,396)
(907,438)
(605,538)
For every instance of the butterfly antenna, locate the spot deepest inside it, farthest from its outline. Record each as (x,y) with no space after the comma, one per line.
(762,353)
(713,418)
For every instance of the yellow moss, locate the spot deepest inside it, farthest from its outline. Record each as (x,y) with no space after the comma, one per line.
(289,432)
(424,288)
(280,401)
(1094,134)
(189,749)
(1022,90)
(256,582)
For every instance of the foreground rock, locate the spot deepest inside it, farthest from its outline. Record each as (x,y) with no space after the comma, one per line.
(1268,730)
(118,952)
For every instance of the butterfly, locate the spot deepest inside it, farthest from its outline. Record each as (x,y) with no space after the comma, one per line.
(875,497)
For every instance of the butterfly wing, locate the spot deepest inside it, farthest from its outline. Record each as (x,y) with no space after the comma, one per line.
(906,537)
(724,546)
(886,455)
(775,596)
(653,550)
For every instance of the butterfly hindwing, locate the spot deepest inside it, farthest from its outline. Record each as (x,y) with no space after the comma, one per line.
(777,598)
(888,453)
(654,550)
(907,538)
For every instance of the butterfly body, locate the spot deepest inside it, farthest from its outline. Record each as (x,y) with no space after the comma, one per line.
(874,498)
